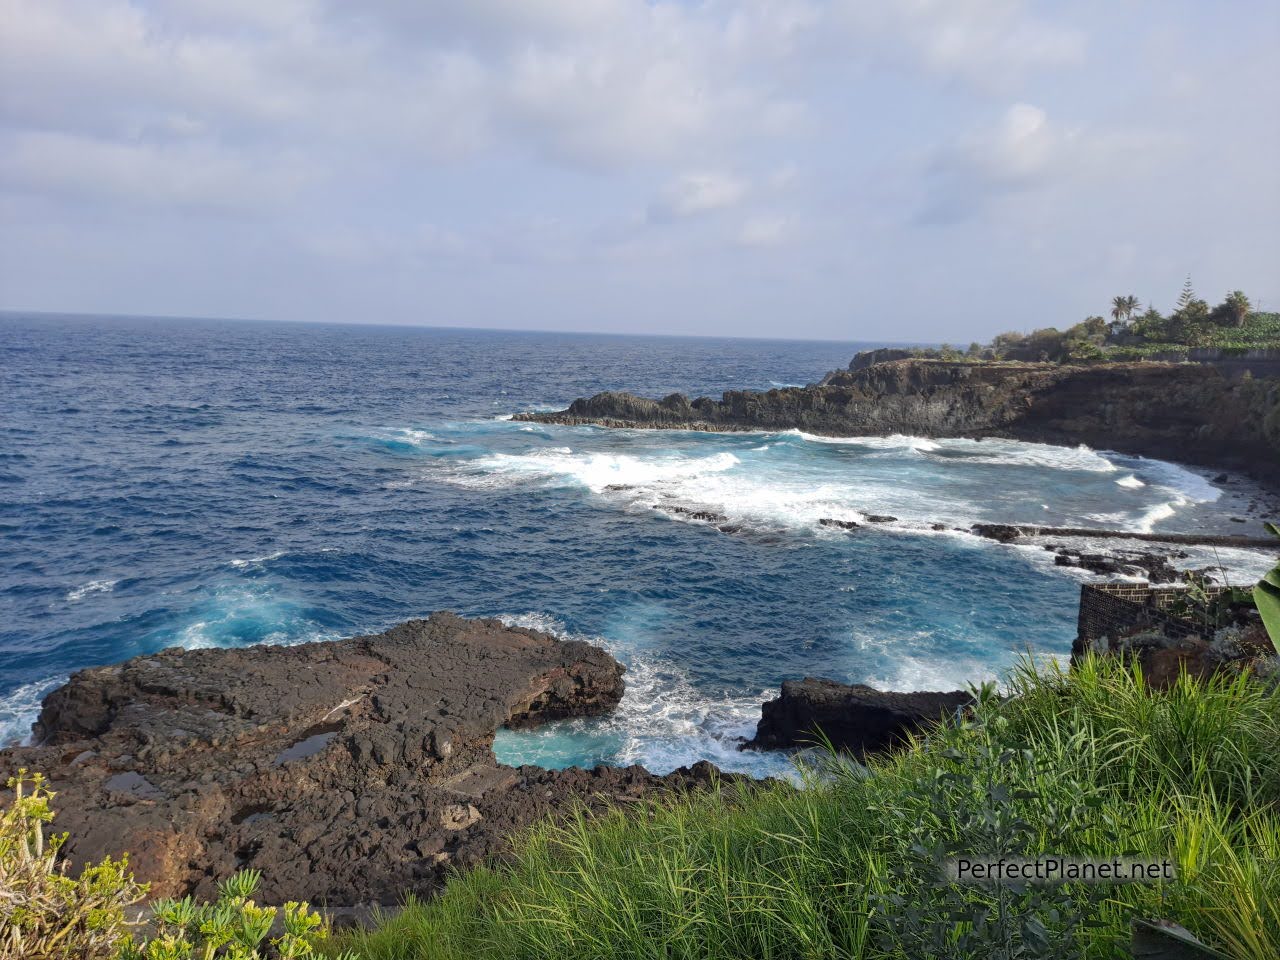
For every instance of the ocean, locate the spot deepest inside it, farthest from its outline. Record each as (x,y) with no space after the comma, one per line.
(219,483)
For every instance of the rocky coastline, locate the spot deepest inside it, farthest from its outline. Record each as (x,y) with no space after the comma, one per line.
(349,772)
(854,719)
(354,772)
(1191,413)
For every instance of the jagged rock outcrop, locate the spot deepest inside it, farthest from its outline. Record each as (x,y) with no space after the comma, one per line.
(351,771)
(868,358)
(1191,413)
(855,718)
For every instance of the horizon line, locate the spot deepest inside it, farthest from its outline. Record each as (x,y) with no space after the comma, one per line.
(8,311)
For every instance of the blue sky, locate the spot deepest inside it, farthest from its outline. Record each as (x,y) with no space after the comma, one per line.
(897,169)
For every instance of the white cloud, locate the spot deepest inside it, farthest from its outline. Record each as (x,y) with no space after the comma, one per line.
(193,174)
(763,231)
(1025,151)
(480,138)
(990,43)
(696,193)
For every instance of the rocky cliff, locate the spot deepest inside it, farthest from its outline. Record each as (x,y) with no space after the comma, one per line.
(1187,412)
(353,771)
(854,718)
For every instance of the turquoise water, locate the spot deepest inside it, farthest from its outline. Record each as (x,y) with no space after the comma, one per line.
(217,484)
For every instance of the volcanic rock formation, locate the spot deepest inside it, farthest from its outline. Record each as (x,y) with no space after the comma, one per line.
(857,719)
(352,771)
(1193,413)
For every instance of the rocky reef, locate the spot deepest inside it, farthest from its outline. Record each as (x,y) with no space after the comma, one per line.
(1192,413)
(854,718)
(352,771)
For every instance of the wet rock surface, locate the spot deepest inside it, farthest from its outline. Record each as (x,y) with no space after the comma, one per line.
(855,718)
(1009,533)
(352,771)
(1155,568)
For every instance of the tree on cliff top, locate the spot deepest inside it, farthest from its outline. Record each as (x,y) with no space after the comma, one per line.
(1186,297)
(1122,308)
(1233,310)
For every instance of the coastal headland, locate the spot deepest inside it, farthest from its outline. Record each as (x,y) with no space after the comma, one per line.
(1198,414)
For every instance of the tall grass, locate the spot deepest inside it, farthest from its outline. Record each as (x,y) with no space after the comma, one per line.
(1091,762)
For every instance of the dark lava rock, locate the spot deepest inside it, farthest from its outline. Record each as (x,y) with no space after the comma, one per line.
(353,771)
(857,718)
(842,524)
(880,518)
(1003,532)
(1191,413)
(1152,567)
(693,513)
(868,358)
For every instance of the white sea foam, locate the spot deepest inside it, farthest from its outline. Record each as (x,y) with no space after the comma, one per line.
(93,586)
(1154,514)
(596,471)
(1190,486)
(415,437)
(663,721)
(255,561)
(242,613)
(943,482)
(896,441)
(20,708)
(1013,453)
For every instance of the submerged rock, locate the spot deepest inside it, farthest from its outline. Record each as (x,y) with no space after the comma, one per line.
(855,718)
(352,771)
(842,524)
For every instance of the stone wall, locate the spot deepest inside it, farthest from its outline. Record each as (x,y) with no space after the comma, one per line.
(1110,609)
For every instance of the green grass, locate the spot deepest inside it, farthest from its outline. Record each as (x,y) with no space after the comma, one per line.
(1086,763)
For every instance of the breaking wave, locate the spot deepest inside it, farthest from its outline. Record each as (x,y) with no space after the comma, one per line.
(93,586)
(664,721)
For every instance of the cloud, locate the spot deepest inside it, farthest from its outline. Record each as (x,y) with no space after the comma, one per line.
(697,193)
(763,232)
(1025,151)
(183,175)
(989,43)
(461,153)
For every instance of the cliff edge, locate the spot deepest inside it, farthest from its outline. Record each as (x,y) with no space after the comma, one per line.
(1192,413)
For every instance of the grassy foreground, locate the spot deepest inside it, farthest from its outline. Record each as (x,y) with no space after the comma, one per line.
(1091,763)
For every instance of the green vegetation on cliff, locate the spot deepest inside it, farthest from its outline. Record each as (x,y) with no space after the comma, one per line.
(1232,327)
(1091,763)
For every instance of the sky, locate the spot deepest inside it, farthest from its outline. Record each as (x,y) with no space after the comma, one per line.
(917,170)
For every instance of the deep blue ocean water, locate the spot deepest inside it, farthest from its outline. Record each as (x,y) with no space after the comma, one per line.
(218,483)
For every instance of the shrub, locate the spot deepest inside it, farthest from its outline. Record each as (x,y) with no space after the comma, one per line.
(46,915)
(232,927)
(43,912)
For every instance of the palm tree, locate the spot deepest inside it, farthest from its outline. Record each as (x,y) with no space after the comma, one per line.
(1122,308)
(1238,307)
